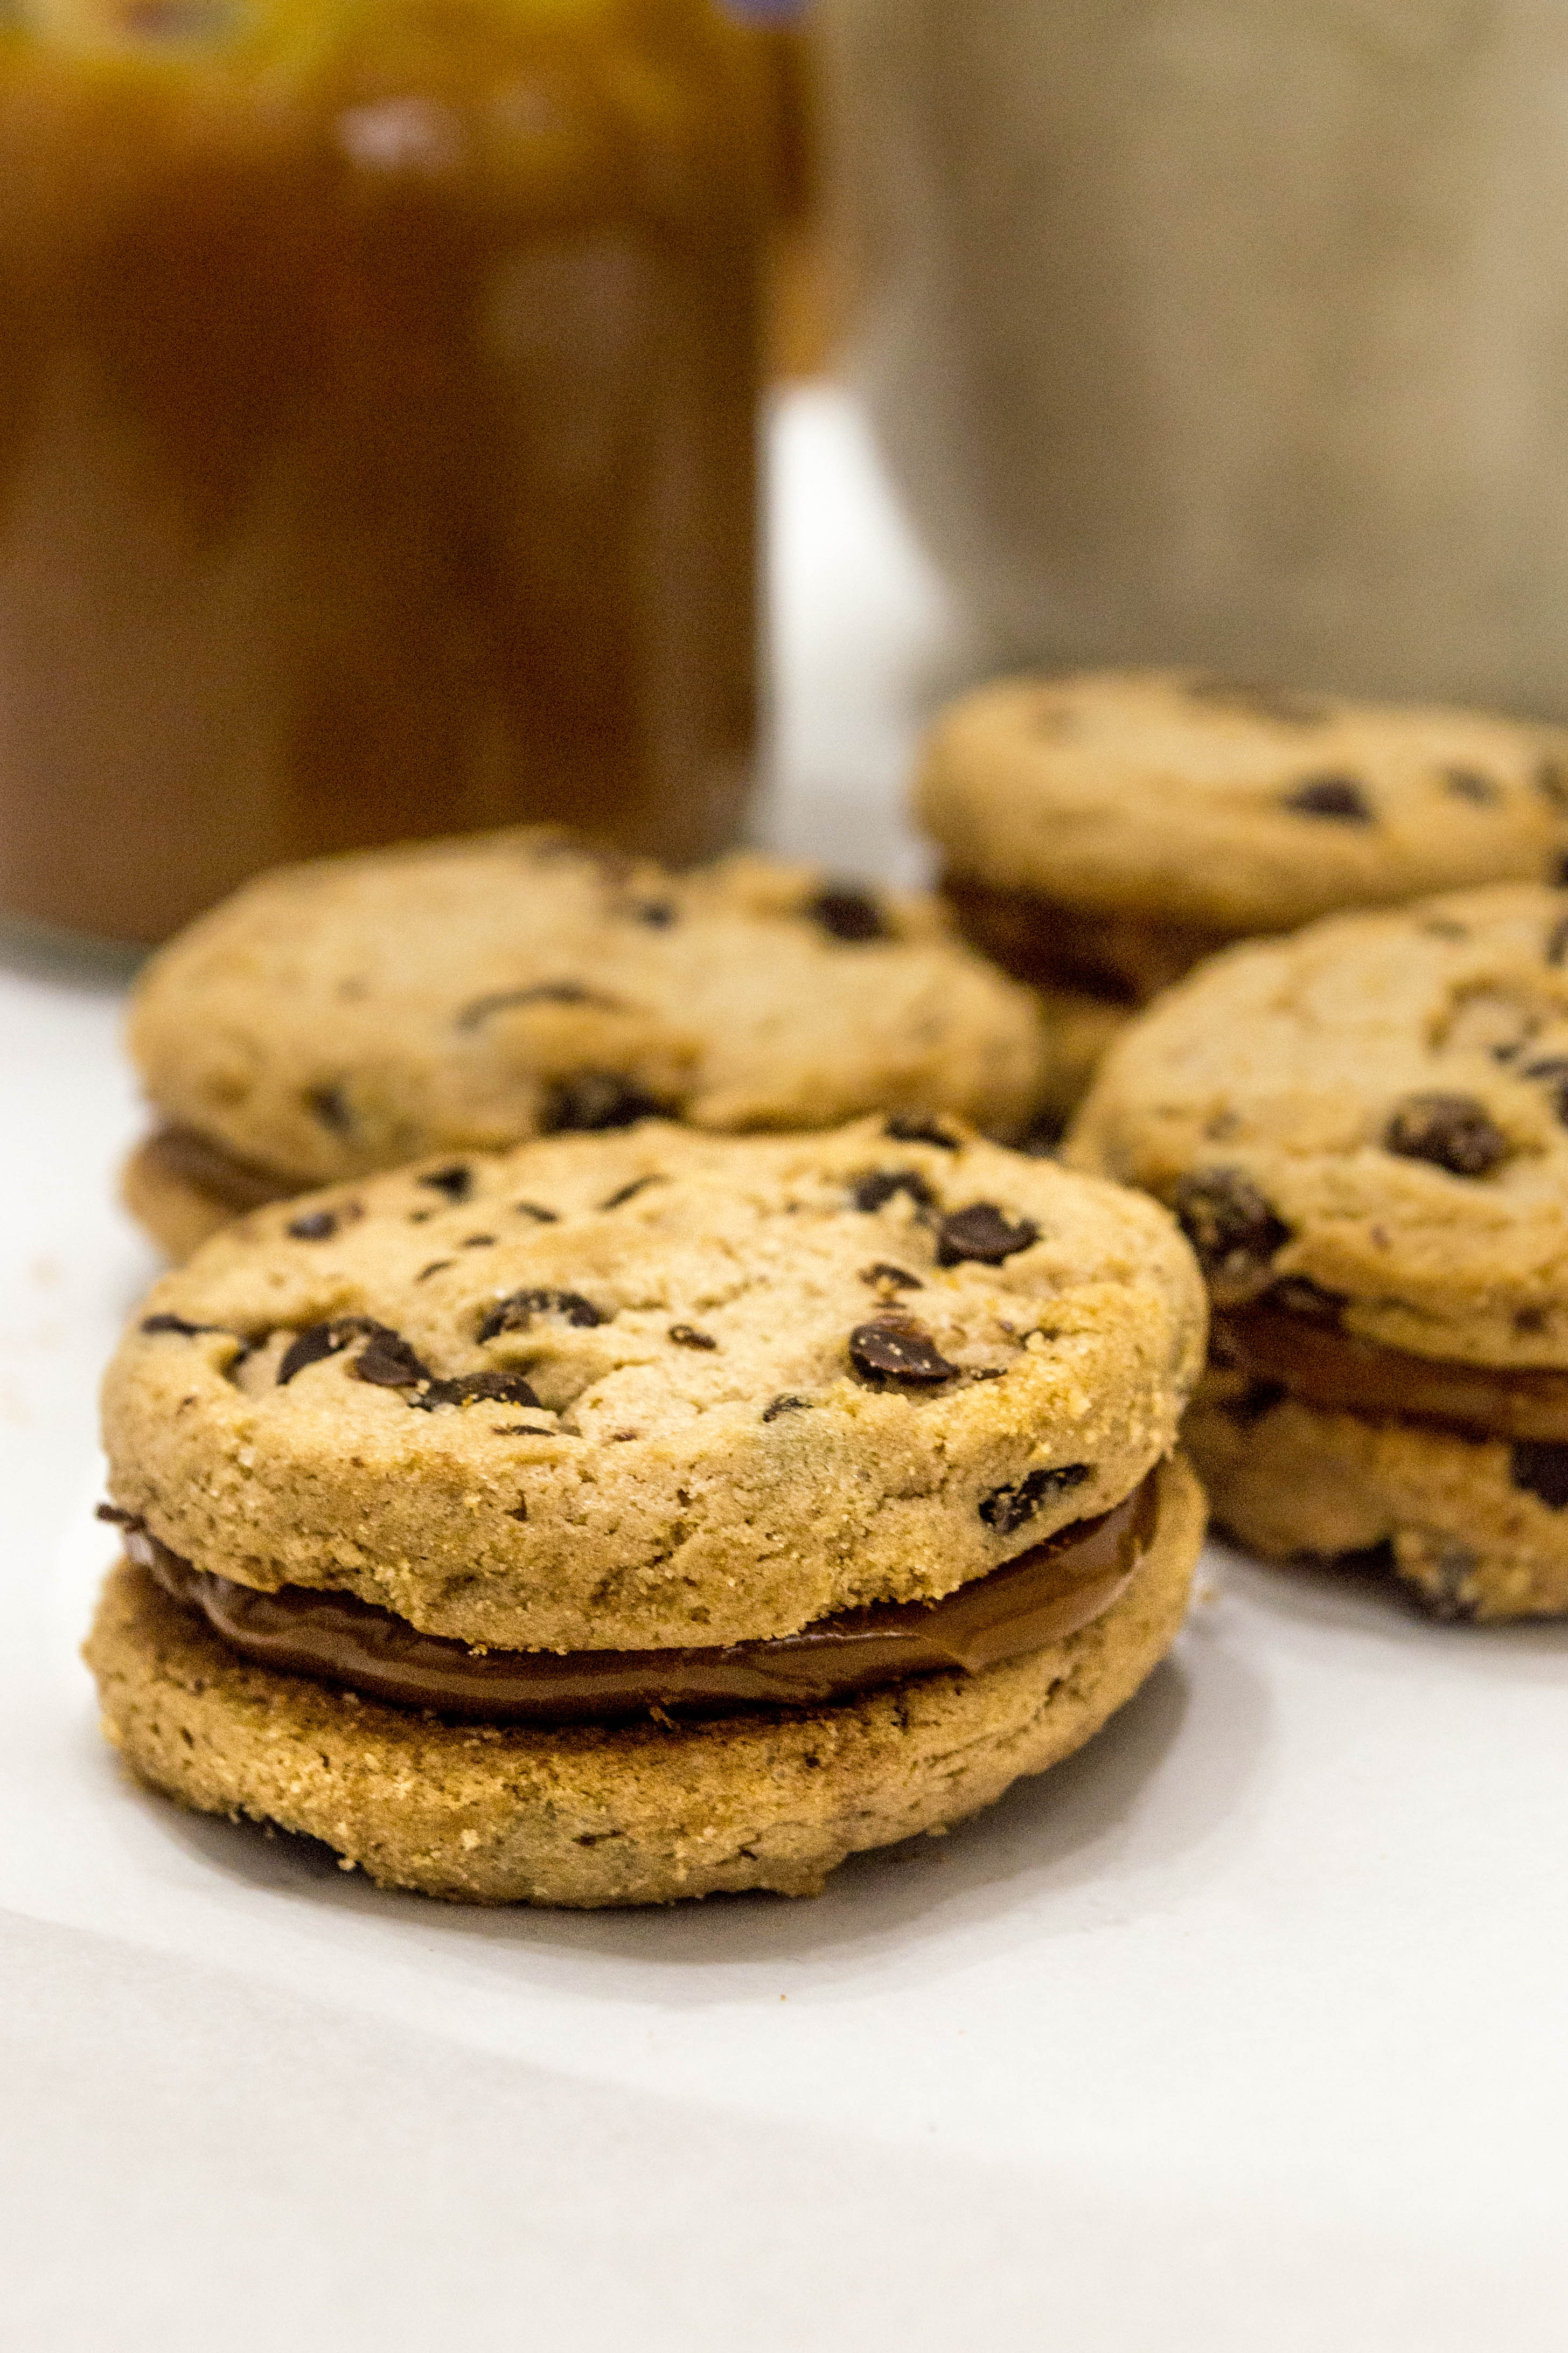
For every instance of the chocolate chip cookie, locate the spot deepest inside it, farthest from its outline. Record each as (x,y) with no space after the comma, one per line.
(1364,1131)
(1101,833)
(643,1514)
(341,1018)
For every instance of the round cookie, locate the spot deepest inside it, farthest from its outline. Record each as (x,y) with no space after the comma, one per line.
(648,1392)
(1363,1130)
(641,1814)
(344,1016)
(1106,830)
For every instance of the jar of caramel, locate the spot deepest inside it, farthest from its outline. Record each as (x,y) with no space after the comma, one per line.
(377,407)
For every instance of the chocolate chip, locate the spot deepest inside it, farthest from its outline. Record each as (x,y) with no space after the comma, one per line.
(517,1313)
(1333,797)
(1553,1073)
(897,1276)
(591,1101)
(517,1511)
(1540,1467)
(474,1388)
(331,1106)
(319,1340)
(1552,783)
(178,1323)
(436,1266)
(1556,948)
(456,1182)
(659,915)
(983,1234)
(897,1348)
(544,992)
(686,1335)
(540,1216)
(1276,702)
(478,1241)
(880,1185)
(388,1362)
(845,913)
(1453,1132)
(1230,1226)
(1006,1508)
(1257,1398)
(910,1127)
(1557,869)
(115,1516)
(786,1405)
(315,1226)
(630,1192)
(1469,785)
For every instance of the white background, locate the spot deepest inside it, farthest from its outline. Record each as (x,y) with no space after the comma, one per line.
(1248,2028)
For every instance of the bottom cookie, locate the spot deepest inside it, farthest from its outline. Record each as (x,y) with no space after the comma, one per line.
(1477,1526)
(641,1814)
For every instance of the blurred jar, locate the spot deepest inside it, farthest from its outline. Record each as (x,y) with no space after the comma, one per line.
(1225,331)
(377,410)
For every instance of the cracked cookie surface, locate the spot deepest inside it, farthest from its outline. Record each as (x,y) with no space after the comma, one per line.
(652,1387)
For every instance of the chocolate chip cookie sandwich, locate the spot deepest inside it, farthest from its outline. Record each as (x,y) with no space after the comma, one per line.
(649,1514)
(1365,1132)
(1101,833)
(344,1016)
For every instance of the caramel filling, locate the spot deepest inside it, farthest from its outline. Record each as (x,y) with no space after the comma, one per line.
(1322,1366)
(1129,958)
(211,1168)
(1053,1591)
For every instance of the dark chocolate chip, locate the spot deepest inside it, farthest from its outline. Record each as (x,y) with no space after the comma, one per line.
(517,1511)
(1006,1508)
(456,1182)
(544,992)
(1276,702)
(478,1241)
(516,1313)
(388,1362)
(897,1348)
(1556,948)
(178,1323)
(1552,1071)
(436,1266)
(540,1216)
(475,1389)
(899,1277)
(869,1192)
(910,1127)
(1531,1320)
(982,1233)
(331,1106)
(1230,1226)
(845,913)
(1552,783)
(1333,796)
(587,1101)
(786,1405)
(688,1336)
(319,1340)
(1453,1132)
(630,1192)
(1257,1398)
(315,1226)
(116,1517)
(1469,785)
(1540,1467)
(659,915)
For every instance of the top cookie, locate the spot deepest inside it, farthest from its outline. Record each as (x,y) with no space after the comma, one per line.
(348,1015)
(1377,1107)
(1235,809)
(654,1388)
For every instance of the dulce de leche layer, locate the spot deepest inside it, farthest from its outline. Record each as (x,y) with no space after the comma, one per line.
(1051,1591)
(1323,1365)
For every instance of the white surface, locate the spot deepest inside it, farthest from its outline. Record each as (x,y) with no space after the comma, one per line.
(1247,2029)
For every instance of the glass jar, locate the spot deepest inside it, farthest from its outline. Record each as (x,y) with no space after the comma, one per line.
(1225,331)
(377,415)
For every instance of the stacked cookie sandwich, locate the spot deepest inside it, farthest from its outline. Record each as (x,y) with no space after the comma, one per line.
(643,1514)
(344,1016)
(1101,833)
(1365,1130)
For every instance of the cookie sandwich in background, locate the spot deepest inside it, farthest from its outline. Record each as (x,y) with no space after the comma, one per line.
(653,1514)
(347,1015)
(1363,1130)
(1102,832)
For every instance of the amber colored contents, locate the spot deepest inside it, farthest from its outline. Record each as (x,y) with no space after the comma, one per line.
(376,437)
